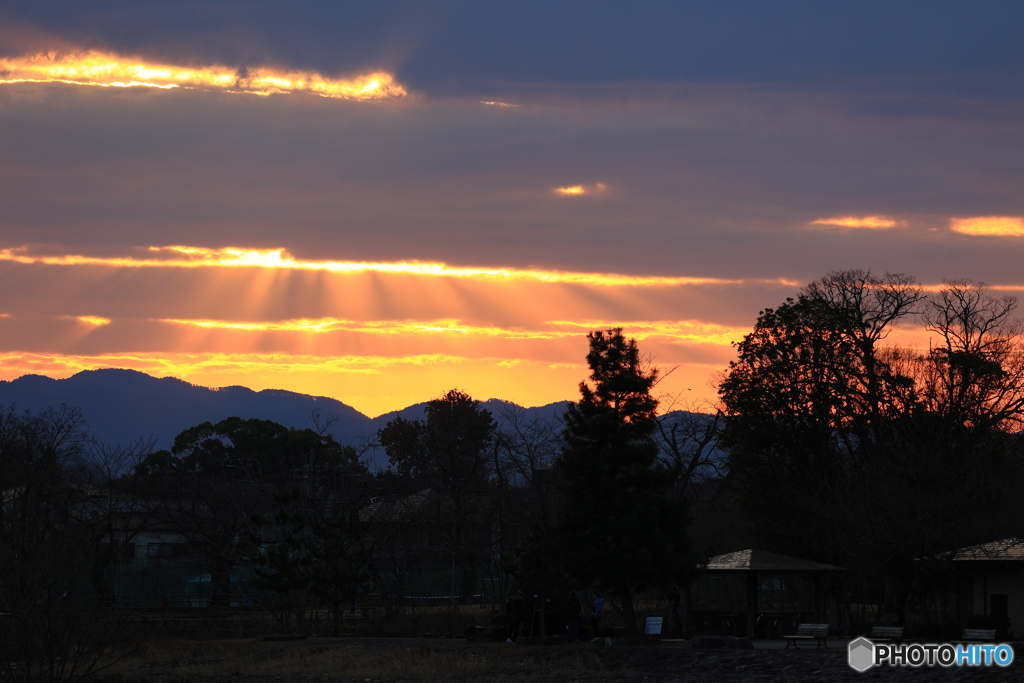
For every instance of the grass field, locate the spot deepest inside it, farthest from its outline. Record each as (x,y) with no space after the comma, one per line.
(362,659)
(406,660)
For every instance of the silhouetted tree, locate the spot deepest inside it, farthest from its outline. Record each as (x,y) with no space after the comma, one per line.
(527,486)
(874,456)
(619,526)
(340,559)
(451,453)
(688,448)
(219,476)
(525,459)
(306,550)
(282,562)
(974,378)
(62,522)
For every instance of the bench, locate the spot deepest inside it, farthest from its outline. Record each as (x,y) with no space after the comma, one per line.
(887,633)
(815,632)
(978,635)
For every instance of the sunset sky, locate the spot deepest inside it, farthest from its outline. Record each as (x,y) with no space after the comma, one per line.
(381,201)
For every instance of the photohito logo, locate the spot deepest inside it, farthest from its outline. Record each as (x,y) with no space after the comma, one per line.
(862,654)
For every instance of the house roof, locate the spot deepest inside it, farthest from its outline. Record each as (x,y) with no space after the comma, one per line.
(429,501)
(752,560)
(1006,549)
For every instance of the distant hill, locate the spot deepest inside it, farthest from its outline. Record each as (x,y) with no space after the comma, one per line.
(124,405)
(495,405)
(121,406)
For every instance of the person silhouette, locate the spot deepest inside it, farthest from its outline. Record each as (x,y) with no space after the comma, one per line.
(573,609)
(596,614)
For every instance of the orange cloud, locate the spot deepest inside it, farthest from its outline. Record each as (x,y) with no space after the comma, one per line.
(1002,226)
(234,257)
(93,320)
(677,331)
(579,190)
(101,69)
(870,222)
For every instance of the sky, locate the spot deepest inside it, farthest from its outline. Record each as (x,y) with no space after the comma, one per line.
(382,201)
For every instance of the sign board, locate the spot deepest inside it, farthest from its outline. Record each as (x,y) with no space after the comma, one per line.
(652,626)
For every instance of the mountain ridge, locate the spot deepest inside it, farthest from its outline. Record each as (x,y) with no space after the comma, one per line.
(123,405)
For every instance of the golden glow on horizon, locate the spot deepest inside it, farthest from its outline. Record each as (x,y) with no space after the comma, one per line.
(346,378)
(233,257)
(372,384)
(500,104)
(114,71)
(1002,226)
(578,190)
(870,222)
(681,331)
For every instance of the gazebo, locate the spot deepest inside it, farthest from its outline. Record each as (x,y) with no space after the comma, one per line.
(755,563)
(989,582)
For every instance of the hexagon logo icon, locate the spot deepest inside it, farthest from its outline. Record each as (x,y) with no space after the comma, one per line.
(860,654)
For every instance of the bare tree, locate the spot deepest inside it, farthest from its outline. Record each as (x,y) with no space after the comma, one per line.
(688,447)
(62,520)
(526,456)
(975,377)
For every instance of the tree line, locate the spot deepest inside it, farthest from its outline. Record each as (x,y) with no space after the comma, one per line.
(878,457)
(828,443)
(310,529)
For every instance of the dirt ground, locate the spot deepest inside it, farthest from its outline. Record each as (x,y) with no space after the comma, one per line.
(365,660)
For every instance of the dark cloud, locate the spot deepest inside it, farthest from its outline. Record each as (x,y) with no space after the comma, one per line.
(702,178)
(721,183)
(461,46)
(708,135)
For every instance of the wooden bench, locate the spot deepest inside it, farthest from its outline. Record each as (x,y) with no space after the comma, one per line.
(978,635)
(815,632)
(887,633)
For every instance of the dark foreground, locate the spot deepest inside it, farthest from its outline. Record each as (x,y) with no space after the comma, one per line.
(400,660)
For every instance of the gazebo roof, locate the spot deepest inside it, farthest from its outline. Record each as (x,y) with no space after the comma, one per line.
(753,560)
(1008,549)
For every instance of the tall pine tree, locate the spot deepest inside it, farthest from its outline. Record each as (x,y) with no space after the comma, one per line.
(620,527)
